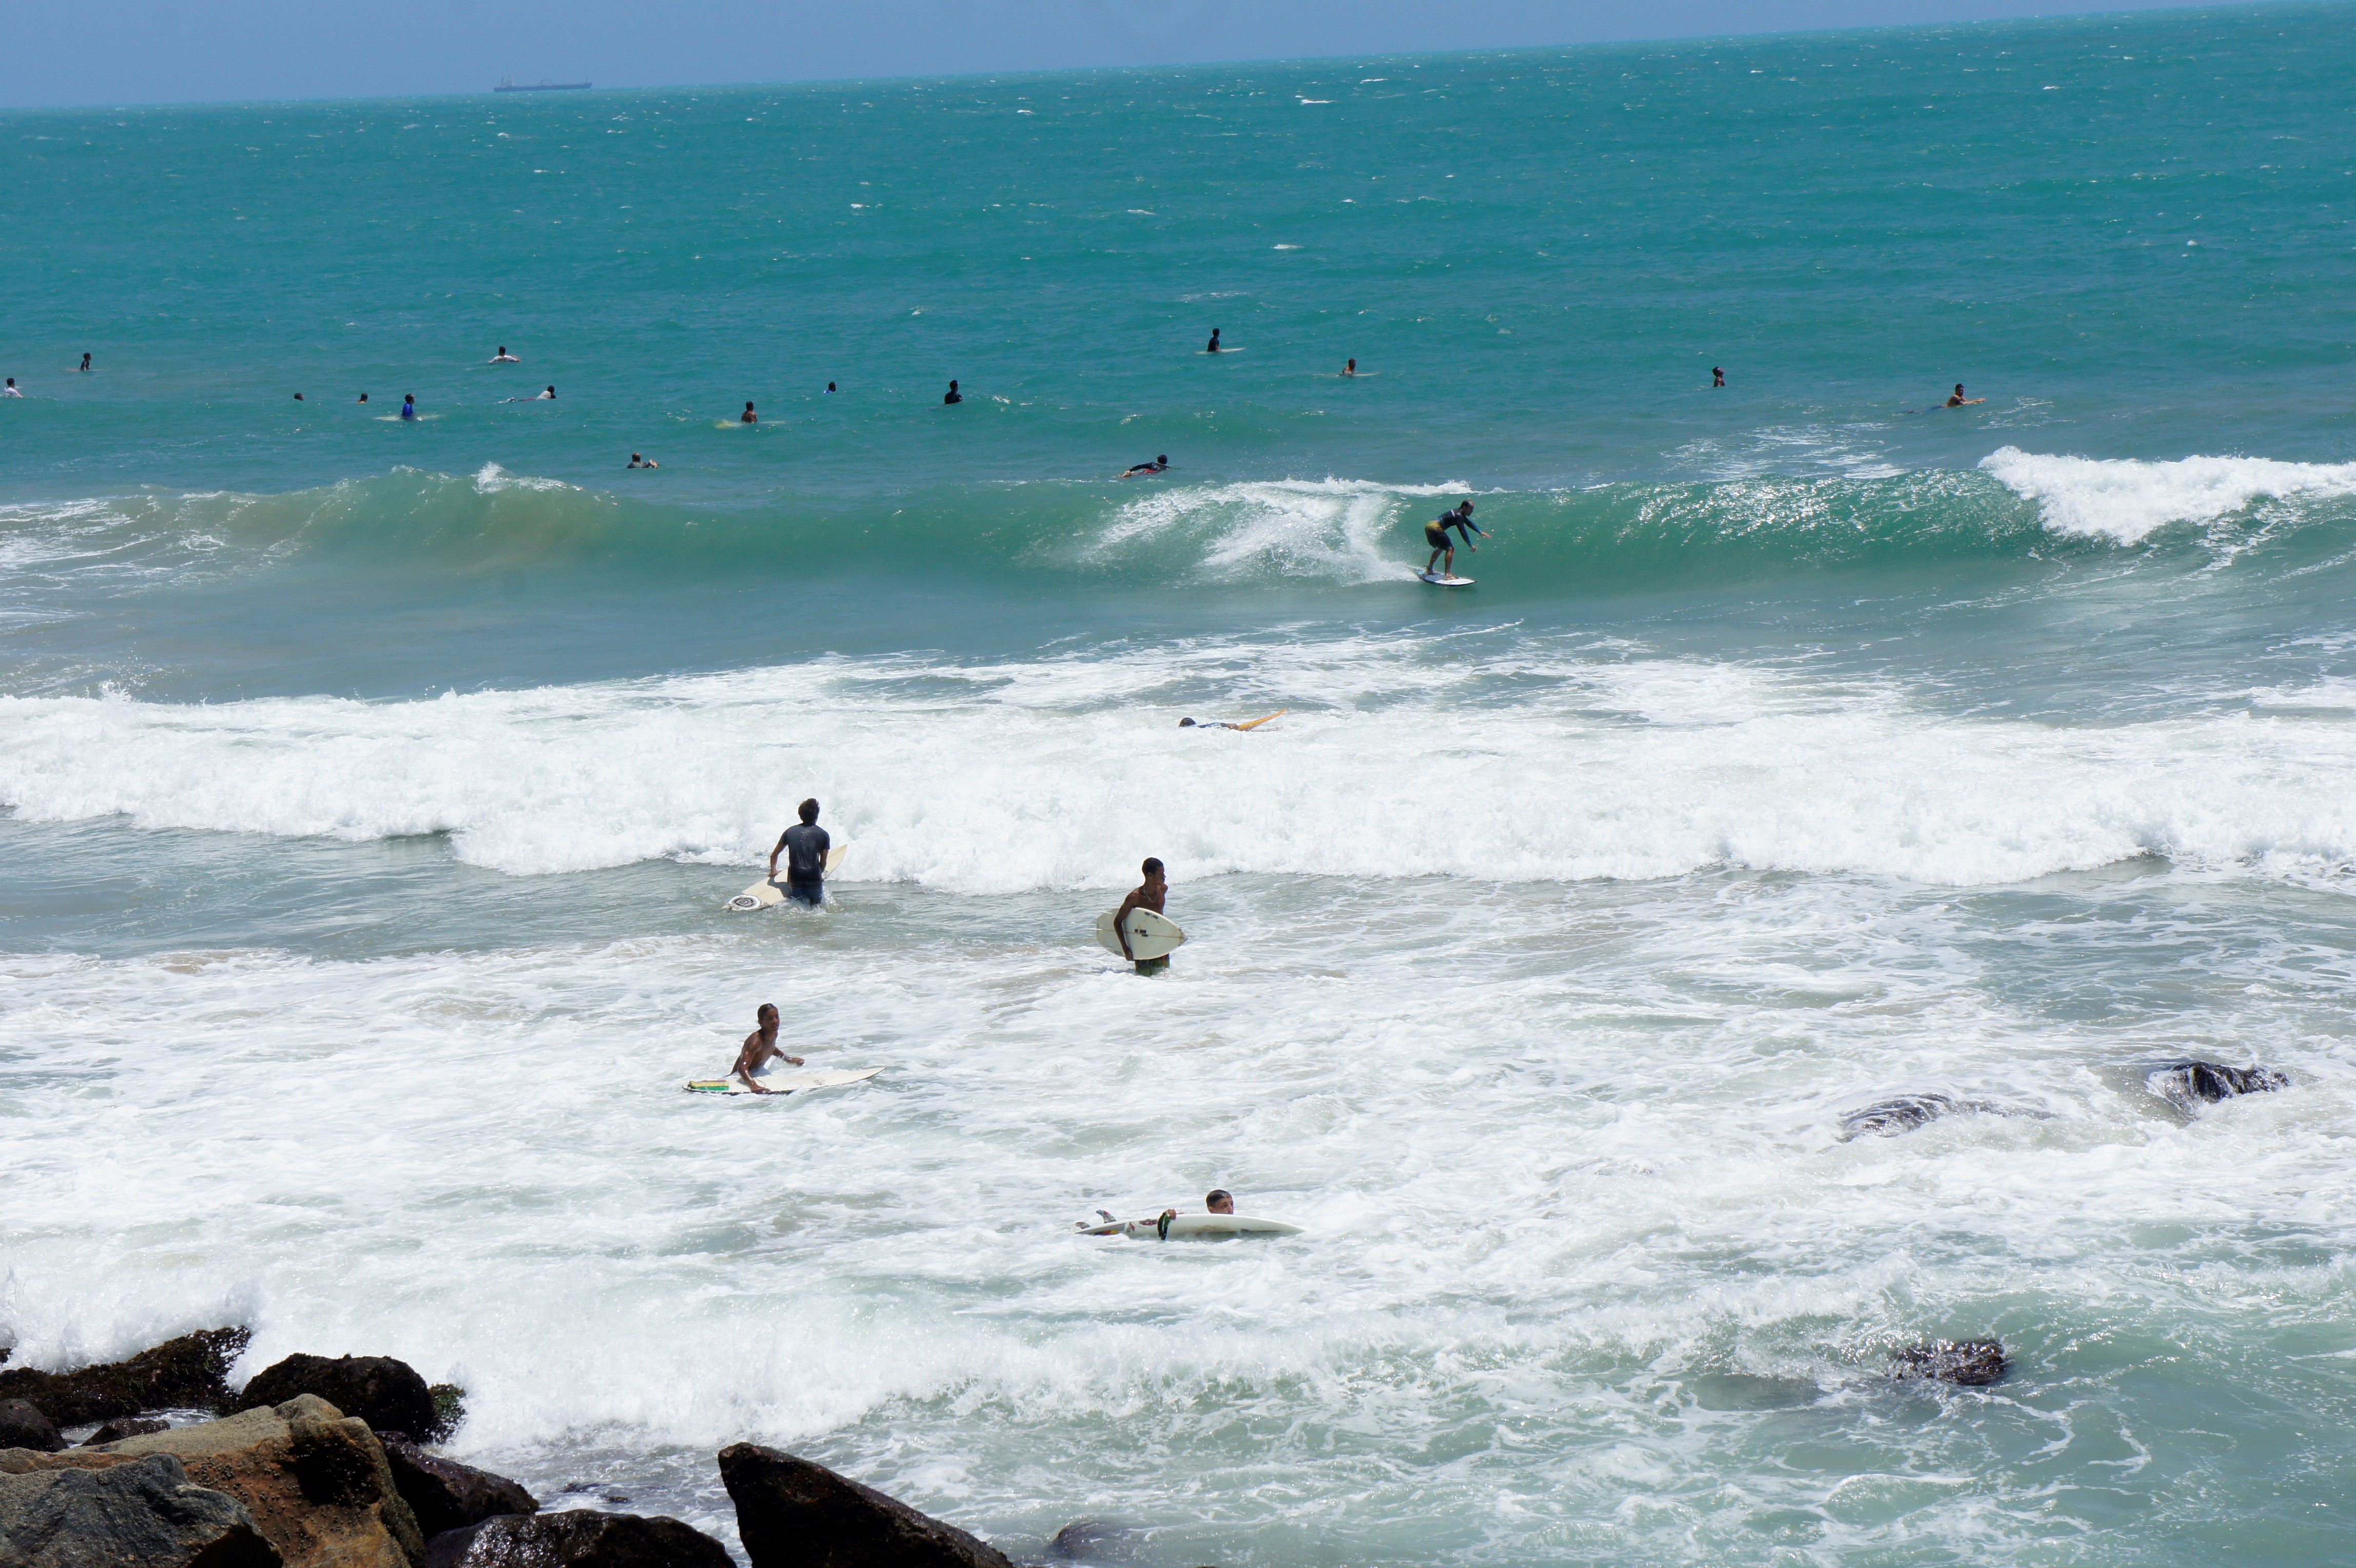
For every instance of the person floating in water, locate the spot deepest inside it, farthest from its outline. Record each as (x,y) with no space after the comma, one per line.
(1151,894)
(804,845)
(638,462)
(364,397)
(1957,400)
(830,386)
(760,1049)
(748,417)
(1220,1201)
(10,389)
(1159,465)
(547,396)
(1717,377)
(1435,533)
(504,358)
(953,395)
(298,397)
(1213,346)
(85,362)
(1248,723)
(1351,369)
(409,406)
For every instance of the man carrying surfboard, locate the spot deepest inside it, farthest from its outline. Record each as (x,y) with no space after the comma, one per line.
(1149,894)
(1435,533)
(761,1049)
(804,845)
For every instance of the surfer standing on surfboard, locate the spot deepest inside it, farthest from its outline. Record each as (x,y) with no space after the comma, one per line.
(1435,533)
(804,845)
(1149,894)
(761,1049)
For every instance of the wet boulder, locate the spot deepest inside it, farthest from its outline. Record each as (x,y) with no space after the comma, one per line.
(116,1431)
(446,1495)
(792,1513)
(22,1425)
(387,1394)
(1970,1363)
(576,1538)
(183,1372)
(2188,1084)
(1091,1540)
(144,1512)
(1905,1113)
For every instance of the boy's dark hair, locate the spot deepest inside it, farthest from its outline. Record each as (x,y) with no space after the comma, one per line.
(1218,1194)
(1152,868)
(809,809)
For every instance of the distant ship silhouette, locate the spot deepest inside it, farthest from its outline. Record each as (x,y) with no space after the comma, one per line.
(509,84)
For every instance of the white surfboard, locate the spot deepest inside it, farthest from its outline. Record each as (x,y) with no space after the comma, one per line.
(782,1082)
(1150,934)
(1222,349)
(1193,1227)
(1436,581)
(766,895)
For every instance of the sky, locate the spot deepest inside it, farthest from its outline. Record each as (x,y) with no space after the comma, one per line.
(57,53)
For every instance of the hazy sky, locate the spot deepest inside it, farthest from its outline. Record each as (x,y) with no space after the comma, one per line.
(56,52)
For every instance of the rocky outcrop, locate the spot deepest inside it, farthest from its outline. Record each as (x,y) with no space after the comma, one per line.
(22,1425)
(1091,1540)
(446,1495)
(144,1512)
(183,1372)
(577,1538)
(125,1426)
(316,1482)
(387,1394)
(1906,1113)
(1973,1363)
(2188,1084)
(794,1514)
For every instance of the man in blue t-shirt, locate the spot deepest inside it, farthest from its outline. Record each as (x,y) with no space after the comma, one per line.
(804,845)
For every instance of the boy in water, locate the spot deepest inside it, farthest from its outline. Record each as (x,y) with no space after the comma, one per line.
(804,845)
(1159,465)
(952,395)
(1435,533)
(1149,895)
(504,358)
(760,1049)
(409,405)
(1957,400)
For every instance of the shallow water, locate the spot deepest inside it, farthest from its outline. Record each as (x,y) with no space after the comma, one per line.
(372,791)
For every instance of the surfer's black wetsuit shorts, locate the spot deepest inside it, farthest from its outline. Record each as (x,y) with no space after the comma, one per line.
(806,892)
(1436,536)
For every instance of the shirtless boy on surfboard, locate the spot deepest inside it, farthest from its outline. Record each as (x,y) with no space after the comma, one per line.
(761,1049)
(1148,895)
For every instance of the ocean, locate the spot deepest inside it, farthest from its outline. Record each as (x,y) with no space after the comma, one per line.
(372,788)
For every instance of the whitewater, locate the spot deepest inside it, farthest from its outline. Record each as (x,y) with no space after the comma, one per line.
(369,792)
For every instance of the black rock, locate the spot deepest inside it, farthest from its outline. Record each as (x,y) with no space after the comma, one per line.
(1974,1363)
(1906,1113)
(145,1512)
(1090,1541)
(387,1394)
(2190,1083)
(183,1371)
(127,1426)
(794,1514)
(576,1538)
(446,1495)
(22,1425)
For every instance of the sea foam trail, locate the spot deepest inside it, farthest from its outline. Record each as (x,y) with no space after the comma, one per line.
(2125,500)
(1402,756)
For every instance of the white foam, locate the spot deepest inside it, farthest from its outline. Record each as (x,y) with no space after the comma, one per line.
(2127,500)
(1346,530)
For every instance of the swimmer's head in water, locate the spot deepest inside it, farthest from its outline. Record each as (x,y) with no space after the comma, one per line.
(953,386)
(1220,1201)
(1153,868)
(1186,724)
(298,397)
(830,386)
(1162,458)
(1959,389)
(810,810)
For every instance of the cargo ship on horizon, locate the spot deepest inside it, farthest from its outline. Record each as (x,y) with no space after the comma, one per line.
(509,84)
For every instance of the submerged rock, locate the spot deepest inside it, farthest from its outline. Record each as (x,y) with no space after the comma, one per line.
(576,1538)
(446,1495)
(2190,1083)
(387,1394)
(1091,1540)
(1907,1112)
(145,1511)
(183,1372)
(1973,1363)
(22,1425)
(795,1514)
(127,1426)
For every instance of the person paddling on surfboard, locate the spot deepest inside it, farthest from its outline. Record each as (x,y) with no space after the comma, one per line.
(1159,465)
(761,1049)
(804,845)
(1248,723)
(1435,533)
(1957,400)
(1149,894)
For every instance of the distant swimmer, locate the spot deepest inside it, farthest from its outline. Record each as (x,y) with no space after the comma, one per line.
(1248,723)
(547,394)
(1149,895)
(364,397)
(504,358)
(804,845)
(10,389)
(830,386)
(1159,465)
(953,395)
(409,406)
(760,1049)
(1213,346)
(1957,400)
(638,462)
(1717,377)
(298,397)
(1435,533)
(1351,369)
(85,362)
(748,417)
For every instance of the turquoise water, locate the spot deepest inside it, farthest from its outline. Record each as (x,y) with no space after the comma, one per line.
(372,788)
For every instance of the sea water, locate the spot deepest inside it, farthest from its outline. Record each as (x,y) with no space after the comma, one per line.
(373,788)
